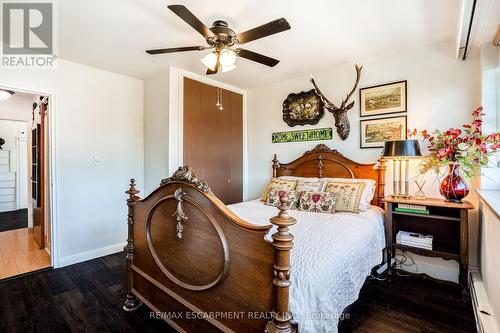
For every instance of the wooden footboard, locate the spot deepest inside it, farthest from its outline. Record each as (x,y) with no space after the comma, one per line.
(200,267)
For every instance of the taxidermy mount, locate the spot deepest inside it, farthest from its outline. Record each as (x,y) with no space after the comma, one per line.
(340,113)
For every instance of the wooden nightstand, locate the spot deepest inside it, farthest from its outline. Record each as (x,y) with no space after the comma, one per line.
(447,222)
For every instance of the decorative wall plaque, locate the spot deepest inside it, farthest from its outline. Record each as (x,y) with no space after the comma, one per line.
(303,108)
(303,135)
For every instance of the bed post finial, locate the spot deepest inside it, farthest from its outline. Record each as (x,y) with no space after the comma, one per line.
(276,165)
(381,181)
(282,243)
(132,302)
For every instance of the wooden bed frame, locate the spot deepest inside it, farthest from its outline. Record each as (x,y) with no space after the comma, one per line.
(201,268)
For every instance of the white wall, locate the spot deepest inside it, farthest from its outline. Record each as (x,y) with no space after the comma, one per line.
(490,261)
(156,106)
(93,112)
(163,124)
(15,135)
(490,97)
(9,131)
(17,107)
(442,93)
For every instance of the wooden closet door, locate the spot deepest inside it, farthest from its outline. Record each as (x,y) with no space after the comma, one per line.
(213,138)
(193,128)
(236,184)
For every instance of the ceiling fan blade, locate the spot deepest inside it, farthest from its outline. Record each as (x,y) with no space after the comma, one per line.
(216,69)
(177,49)
(257,57)
(190,19)
(265,30)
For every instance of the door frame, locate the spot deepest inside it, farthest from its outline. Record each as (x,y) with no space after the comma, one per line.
(176,119)
(51,167)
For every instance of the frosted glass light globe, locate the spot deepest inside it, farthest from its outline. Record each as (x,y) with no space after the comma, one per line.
(227,57)
(210,60)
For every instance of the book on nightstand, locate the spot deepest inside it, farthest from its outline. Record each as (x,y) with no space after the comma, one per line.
(414,239)
(415,209)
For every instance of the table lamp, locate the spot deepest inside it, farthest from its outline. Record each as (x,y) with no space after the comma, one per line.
(399,151)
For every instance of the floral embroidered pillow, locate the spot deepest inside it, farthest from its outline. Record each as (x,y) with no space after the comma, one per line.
(274,198)
(368,192)
(277,183)
(348,195)
(317,202)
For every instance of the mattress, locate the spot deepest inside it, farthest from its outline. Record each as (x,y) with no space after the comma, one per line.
(331,258)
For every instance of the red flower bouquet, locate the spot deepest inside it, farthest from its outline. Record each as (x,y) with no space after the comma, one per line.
(465,149)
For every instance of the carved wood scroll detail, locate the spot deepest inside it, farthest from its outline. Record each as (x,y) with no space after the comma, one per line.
(320,166)
(321,148)
(186,174)
(179,215)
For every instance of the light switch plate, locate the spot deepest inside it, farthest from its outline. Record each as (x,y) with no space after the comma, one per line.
(97,160)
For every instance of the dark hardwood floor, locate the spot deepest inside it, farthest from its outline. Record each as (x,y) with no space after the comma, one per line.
(409,304)
(12,220)
(88,297)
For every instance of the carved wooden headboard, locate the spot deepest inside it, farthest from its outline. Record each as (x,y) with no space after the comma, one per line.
(324,162)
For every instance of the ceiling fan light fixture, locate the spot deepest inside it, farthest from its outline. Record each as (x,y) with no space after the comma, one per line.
(210,60)
(227,57)
(5,94)
(228,68)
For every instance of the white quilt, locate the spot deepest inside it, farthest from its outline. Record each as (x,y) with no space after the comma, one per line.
(331,258)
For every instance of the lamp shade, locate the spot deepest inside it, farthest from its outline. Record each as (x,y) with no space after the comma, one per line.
(402,148)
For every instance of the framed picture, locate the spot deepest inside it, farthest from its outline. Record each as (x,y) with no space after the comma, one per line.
(383,99)
(303,108)
(374,132)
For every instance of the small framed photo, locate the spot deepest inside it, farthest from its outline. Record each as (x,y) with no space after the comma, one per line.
(374,132)
(383,99)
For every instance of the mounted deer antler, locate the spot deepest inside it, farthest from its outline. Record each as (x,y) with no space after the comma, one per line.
(340,113)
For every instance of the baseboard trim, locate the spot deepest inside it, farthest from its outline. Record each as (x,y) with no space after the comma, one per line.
(485,318)
(92,254)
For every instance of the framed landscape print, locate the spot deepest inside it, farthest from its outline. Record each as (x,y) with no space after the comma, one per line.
(383,99)
(374,132)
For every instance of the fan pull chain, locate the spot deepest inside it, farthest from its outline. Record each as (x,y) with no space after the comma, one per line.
(219,99)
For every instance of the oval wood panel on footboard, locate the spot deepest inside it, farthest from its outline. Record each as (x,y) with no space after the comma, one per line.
(202,268)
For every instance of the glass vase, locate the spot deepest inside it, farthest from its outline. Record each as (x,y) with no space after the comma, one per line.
(454,187)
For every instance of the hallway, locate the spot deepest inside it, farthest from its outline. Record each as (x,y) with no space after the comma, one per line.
(20,254)
(15,219)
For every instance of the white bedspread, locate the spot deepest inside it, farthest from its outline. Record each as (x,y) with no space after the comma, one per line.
(331,258)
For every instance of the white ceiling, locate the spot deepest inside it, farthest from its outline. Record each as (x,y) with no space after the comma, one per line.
(113,34)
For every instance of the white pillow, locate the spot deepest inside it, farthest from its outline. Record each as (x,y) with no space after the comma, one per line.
(310,179)
(368,191)
(305,184)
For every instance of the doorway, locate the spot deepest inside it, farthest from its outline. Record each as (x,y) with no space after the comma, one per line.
(25,237)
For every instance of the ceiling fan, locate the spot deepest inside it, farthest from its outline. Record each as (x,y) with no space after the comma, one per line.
(221,38)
